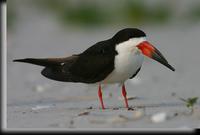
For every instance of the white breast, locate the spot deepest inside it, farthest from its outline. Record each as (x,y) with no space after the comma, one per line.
(127,62)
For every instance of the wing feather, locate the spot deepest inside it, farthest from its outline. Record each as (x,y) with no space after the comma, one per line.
(94,64)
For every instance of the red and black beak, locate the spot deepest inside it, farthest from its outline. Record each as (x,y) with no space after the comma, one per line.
(150,51)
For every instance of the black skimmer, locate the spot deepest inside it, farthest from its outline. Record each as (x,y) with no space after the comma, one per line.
(110,61)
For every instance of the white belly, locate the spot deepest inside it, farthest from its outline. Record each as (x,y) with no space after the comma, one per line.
(126,64)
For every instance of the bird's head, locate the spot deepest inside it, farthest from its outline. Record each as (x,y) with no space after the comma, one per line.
(137,38)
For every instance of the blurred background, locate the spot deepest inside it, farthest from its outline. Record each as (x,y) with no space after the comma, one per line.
(89,14)
(58,28)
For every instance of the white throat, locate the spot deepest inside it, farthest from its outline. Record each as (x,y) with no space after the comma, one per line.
(128,60)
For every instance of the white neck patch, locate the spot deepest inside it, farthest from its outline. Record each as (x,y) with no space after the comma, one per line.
(129,45)
(128,60)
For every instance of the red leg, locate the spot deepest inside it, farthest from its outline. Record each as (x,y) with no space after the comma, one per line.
(100,97)
(124,94)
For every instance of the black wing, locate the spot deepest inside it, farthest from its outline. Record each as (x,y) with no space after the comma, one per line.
(91,66)
(59,70)
(94,64)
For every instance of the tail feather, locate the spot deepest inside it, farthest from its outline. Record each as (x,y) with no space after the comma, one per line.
(40,62)
(55,68)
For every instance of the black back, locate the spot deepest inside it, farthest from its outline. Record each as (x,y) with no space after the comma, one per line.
(95,63)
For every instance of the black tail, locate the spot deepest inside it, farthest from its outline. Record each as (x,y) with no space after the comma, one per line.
(40,62)
(55,68)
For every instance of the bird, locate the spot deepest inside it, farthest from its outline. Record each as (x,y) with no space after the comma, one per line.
(110,61)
